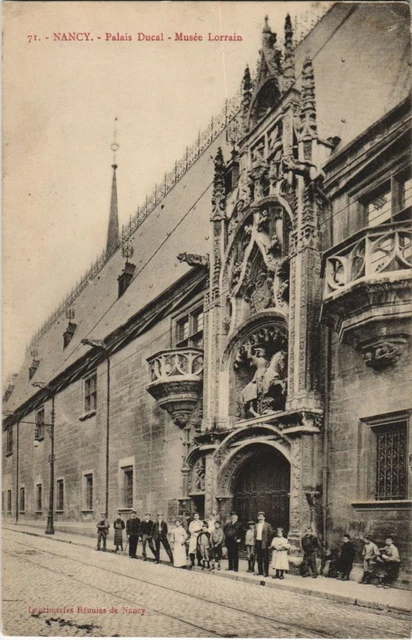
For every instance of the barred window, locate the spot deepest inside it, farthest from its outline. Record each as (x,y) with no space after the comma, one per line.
(391,461)
(9,501)
(22,500)
(60,496)
(128,487)
(90,393)
(39,428)
(9,441)
(39,497)
(88,491)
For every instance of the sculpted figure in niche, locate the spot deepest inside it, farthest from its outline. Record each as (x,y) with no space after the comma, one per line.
(266,392)
(253,390)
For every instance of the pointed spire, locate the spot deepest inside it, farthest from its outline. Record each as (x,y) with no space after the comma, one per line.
(246,96)
(268,38)
(308,110)
(113,229)
(289,60)
(219,193)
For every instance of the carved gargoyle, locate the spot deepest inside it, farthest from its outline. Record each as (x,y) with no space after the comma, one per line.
(194,259)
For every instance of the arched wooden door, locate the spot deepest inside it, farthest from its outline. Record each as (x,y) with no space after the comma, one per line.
(263,484)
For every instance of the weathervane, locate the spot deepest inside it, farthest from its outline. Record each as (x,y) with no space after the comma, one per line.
(115,146)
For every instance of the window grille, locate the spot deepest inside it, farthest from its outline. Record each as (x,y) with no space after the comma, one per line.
(391,462)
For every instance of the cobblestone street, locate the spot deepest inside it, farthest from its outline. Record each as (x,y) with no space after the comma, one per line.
(133,598)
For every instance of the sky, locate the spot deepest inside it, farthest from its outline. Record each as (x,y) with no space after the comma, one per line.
(60,99)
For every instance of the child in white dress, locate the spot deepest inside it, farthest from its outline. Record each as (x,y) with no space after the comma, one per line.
(280,562)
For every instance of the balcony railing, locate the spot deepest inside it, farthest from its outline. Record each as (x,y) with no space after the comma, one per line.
(176,362)
(176,380)
(371,252)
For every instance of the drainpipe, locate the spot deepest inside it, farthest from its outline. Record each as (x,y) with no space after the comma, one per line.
(325,469)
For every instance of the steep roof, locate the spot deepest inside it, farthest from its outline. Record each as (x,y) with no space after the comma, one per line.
(360,59)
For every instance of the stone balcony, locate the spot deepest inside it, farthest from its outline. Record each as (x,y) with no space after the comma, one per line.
(176,381)
(367,294)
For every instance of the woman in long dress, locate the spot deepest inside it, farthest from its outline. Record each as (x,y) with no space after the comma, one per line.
(195,528)
(280,562)
(179,537)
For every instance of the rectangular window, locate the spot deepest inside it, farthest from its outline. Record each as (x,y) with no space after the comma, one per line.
(128,487)
(90,393)
(39,497)
(39,428)
(390,201)
(9,441)
(9,501)
(2,501)
(22,500)
(60,495)
(391,461)
(88,491)
(189,329)
(379,206)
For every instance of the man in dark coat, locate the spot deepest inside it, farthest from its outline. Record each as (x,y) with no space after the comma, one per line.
(310,546)
(233,532)
(146,535)
(346,558)
(263,540)
(160,536)
(132,532)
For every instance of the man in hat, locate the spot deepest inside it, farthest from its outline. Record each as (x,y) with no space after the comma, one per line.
(103,527)
(146,535)
(160,536)
(250,545)
(263,540)
(233,533)
(132,532)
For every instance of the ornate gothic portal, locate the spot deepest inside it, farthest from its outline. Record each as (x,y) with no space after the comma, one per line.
(263,484)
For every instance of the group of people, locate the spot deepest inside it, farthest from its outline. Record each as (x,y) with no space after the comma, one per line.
(203,541)
(380,563)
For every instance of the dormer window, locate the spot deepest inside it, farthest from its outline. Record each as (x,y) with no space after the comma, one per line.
(33,368)
(68,334)
(126,277)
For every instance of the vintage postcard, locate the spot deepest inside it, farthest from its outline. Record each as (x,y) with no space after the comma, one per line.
(207,262)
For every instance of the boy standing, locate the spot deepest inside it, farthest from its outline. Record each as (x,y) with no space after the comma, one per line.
(250,540)
(346,558)
(203,546)
(216,543)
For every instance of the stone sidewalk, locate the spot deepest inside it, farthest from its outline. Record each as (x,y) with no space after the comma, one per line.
(396,600)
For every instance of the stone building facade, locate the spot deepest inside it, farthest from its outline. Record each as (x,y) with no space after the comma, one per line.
(259,359)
